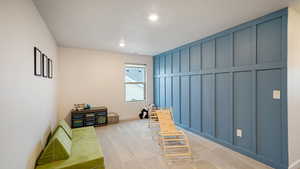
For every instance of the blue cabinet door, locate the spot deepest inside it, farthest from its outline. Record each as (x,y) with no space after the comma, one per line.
(156,92)
(208,103)
(156,65)
(208,54)
(184,60)
(269,133)
(196,103)
(243,110)
(224,107)
(243,47)
(195,58)
(169,92)
(169,64)
(224,51)
(162,91)
(162,64)
(176,62)
(269,42)
(176,99)
(185,101)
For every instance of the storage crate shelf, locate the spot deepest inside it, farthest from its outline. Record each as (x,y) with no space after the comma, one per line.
(96,116)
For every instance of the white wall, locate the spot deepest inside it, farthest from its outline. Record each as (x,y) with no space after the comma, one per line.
(294,85)
(97,78)
(28,104)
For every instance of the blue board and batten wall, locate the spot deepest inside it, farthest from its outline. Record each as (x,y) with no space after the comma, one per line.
(226,82)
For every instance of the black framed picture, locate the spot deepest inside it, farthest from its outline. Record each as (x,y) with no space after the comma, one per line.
(37,62)
(50,68)
(45,66)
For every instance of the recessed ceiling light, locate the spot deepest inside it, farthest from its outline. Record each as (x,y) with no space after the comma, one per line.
(122,44)
(153,17)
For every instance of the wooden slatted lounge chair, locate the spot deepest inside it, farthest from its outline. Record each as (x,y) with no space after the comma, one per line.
(174,142)
(152,117)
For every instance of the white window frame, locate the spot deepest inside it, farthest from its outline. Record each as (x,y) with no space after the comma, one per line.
(144,83)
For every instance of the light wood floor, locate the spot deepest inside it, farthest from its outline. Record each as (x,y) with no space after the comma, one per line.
(132,145)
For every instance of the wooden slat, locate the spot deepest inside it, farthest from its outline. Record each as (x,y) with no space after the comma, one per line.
(183,146)
(178,154)
(174,139)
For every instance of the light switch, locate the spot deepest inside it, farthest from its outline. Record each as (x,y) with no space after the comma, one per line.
(276,94)
(239,132)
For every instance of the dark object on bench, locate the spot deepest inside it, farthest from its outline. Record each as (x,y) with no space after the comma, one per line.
(144,114)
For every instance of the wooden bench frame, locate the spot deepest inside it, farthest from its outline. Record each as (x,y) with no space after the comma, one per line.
(170,134)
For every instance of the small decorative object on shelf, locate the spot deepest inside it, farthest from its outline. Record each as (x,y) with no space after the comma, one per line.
(94,116)
(112,118)
(82,106)
(79,106)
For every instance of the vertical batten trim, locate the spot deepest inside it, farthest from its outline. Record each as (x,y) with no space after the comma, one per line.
(214,90)
(201,90)
(254,88)
(179,66)
(231,91)
(284,92)
(190,113)
(254,111)
(189,63)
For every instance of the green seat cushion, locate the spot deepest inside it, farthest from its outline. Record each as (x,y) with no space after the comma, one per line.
(84,132)
(58,148)
(63,124)
(86,152)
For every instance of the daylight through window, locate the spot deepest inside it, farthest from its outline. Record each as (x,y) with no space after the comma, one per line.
(135,82)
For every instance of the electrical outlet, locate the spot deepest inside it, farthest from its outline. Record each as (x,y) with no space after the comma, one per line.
(239,132)
(276,94)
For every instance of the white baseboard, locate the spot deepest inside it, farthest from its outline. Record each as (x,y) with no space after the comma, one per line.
(129,119)
(295,165)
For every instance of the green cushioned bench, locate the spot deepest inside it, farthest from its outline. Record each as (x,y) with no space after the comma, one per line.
(85,151)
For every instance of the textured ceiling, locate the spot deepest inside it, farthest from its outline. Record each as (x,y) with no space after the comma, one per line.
(295,4)
(101,24)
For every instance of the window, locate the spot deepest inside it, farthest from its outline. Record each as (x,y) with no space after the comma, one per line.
(135,82)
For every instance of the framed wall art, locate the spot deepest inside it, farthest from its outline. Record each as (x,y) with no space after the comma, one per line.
(50,69)
(45,66)
(38,57)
